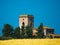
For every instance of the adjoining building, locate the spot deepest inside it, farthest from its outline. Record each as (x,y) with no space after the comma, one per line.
(55,35)
(29,20)
(48,31)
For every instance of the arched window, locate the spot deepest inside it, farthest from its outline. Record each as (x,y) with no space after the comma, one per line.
(23,23)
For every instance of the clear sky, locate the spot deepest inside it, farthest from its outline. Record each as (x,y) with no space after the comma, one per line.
(46,11)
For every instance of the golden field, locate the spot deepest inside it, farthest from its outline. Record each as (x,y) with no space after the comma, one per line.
(30,42)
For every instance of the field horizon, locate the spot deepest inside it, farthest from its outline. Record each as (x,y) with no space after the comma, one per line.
(30,42)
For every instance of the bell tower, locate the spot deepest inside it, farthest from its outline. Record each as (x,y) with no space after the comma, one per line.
(26,20)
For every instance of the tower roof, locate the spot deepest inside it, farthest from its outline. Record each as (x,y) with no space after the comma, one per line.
(25,15)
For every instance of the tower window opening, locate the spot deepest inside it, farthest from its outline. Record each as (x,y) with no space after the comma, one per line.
(23,19)
(23,23)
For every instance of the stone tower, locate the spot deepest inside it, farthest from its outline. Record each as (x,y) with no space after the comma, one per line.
(26,20)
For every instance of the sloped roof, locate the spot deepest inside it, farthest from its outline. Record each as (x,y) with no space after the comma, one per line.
(56,34)
(45,27)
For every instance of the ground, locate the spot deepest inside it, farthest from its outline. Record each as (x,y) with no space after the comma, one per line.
(30,42)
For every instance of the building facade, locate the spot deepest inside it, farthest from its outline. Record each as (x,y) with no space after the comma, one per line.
(48,31)
(26,20)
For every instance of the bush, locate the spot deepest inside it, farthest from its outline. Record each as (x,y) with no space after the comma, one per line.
(5,38)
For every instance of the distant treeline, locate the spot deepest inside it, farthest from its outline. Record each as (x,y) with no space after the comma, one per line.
(8,32)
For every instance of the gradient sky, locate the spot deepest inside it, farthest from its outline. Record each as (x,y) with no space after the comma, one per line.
(46,11)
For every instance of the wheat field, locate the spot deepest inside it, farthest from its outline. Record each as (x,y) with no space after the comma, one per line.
(30,42)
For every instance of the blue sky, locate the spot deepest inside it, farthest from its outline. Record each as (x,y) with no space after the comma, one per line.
(46,11)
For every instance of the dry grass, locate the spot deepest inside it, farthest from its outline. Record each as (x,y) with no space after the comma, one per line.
(30,42)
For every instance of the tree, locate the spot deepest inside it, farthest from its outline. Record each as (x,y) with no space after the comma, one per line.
(23,30)
(28,32)
(17,32)
(7,30)
(40,31)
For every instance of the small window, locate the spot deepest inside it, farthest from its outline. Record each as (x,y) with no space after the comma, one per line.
(23,19)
